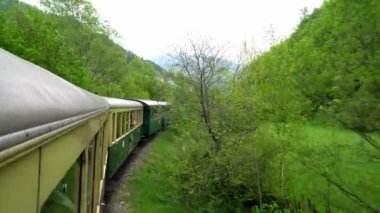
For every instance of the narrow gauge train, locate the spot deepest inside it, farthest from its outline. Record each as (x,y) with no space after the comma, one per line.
(60,143)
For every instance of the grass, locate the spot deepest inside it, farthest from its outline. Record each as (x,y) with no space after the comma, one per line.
(346,158)
(149,188)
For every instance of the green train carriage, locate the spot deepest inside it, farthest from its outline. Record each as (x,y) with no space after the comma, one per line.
(155,117)
(126,118)
(165,119)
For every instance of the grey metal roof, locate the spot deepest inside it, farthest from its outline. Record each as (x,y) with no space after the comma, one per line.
(34,101)
(119,103)
(163,103)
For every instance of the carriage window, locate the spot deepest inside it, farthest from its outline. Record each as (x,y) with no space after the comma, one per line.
(119,124)
(133,121)
(113,126)
(127,122)
(64,197)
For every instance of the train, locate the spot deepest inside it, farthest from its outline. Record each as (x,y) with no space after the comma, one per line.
(59,144)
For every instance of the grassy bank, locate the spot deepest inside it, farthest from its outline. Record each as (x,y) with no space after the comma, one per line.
(320,157)
(149,189)
(328,158)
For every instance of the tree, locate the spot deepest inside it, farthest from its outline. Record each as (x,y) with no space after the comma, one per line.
(81,10)
(204,64)
(105,60)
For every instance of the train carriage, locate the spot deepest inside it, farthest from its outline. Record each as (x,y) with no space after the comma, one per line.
(52,141)
(126,119)
(165,121)
(59,143)
(152,116)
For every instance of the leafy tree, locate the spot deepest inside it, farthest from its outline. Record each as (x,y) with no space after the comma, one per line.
(81,10)
(204,64)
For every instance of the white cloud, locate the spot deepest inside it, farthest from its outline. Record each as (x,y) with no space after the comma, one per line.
(150,27)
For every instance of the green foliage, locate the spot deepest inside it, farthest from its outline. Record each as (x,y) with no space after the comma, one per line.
(70,41)
(330,158)
(223,181)
(25,32)
(81,10)
(337,65)
(325,73)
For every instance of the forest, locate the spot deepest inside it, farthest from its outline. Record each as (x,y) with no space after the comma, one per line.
(292,129)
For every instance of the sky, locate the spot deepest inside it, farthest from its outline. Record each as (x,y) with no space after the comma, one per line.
(151,28)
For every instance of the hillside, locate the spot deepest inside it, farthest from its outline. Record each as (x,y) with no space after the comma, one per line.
(76,46)
(316,94)
(331,63)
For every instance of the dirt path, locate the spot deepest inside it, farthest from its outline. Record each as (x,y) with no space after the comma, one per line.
(115,188)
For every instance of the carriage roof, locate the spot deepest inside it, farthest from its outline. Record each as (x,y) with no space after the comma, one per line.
(151,102)
(163,103)
(34,101)
(118,103)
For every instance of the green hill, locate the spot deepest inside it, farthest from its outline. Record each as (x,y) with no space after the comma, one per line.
(77,46)
(316,95)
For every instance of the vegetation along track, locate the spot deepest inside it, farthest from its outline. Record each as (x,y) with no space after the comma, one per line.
(115,187)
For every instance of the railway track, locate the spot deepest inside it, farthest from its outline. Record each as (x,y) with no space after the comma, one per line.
(115,189)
